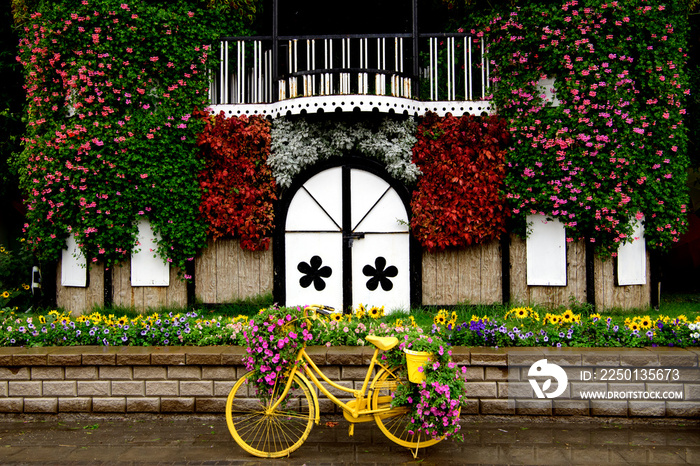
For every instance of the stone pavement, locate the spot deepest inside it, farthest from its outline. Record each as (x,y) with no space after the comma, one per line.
(204,440)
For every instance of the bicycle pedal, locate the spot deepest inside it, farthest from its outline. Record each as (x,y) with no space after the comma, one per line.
(351,430)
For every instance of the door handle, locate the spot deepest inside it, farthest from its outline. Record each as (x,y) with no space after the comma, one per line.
(352,237)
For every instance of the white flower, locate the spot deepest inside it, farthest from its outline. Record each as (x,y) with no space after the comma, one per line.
(692,327)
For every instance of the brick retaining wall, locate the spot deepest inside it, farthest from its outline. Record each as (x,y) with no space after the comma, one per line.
(198,379)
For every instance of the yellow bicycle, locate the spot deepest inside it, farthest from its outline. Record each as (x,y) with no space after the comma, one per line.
(275,425)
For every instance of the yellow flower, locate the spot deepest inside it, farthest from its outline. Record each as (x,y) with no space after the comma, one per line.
(634,326)
(361,311)
(567,316)
(5,294)
(398,323)
(595,316)
(554,319)
(413,321)
(440,318)
(26,287)
(336,317)
(122,321)
(376,312)
(42,319)
(645,322)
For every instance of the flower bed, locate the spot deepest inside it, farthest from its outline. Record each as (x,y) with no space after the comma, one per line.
(520,326)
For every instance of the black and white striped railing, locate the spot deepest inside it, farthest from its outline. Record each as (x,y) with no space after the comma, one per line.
(428,68)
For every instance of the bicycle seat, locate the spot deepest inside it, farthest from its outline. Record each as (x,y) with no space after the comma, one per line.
(383,343)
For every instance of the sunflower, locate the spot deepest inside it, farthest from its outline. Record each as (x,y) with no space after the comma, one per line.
(5,294)
(645,322)
(376,312)
(634,326)
(42,319)
(361,311)
(554,319)
(568,316)
(413,321)
(26,287)
(440,318)
(122,321)
(337,317)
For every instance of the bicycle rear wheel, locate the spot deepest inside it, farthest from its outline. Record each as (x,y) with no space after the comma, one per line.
(269,434)
(394,422)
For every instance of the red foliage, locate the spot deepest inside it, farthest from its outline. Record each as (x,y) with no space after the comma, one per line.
(459,200)
(238,190)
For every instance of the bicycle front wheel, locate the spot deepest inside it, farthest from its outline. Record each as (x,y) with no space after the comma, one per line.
(394,423)
(269,434)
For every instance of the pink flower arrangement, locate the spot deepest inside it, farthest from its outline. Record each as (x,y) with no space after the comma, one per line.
(273,339)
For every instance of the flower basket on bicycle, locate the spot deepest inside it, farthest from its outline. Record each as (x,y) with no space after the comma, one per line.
(415,361)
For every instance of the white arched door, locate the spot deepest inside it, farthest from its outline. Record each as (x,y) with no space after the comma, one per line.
(346,242)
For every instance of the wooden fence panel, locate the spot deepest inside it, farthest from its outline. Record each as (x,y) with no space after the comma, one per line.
(143,298)
(224,272)
(80,300)
(471,275)
(551,296)
(609,295)
(205,276)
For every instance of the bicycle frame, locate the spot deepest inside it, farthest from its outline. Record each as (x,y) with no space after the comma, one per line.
(355,410)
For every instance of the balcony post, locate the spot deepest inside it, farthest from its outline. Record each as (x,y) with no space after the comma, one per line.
(275,50)
(416,68)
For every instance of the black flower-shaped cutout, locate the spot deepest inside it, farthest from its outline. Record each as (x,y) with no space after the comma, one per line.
(314,273)
(380,274)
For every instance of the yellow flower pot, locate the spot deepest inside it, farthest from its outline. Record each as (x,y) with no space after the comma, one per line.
(414,361)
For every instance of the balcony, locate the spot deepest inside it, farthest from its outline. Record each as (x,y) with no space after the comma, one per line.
(407,73)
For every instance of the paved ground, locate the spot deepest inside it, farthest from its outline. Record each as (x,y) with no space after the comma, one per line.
(204,440)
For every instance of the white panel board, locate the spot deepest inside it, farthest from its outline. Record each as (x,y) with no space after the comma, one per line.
(147,267)
(366,189)
(388,215)
(73,265)
(380,271)
(632,259)
(306,214)
(326,187)
(313,269)
(546,252)
(545,87)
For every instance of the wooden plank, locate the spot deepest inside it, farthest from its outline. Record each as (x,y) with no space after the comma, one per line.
(121,284)
(176,293)
(448,277)
(95,293)
(227,270)
(429,278)
(491,273)
(518,271)
(470,275)
(266,271)
(248,273)
(205,274)
(604,282)
(61,292)
(578,270)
